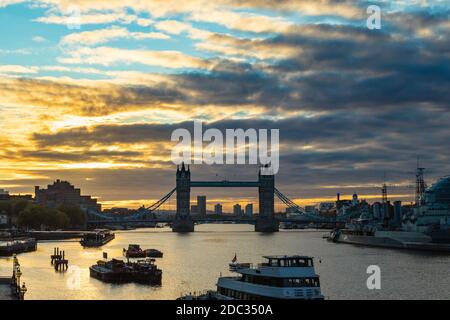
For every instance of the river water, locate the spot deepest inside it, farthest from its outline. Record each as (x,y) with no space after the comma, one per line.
(192,262)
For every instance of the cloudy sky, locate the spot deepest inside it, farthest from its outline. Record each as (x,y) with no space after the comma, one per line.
(93,98)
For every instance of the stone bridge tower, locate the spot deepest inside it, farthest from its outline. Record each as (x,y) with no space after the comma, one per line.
(183,221)
(266,220)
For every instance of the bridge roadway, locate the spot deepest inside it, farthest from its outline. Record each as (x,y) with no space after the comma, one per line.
(225,183)
(249,220)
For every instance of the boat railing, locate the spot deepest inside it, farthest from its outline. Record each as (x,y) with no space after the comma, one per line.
(236,266)
(196,294)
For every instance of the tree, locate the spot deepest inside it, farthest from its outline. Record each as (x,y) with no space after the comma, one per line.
(18,206)
(57,219)
(74,213)
(35,216)
(31,217)
(13,207)
(5,207)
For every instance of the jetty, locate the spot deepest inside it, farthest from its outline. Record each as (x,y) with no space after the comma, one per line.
(58,260)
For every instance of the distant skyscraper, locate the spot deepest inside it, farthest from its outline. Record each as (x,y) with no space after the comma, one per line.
(237,210)
(201,205)
(398,213)
(218,209)
(355,199)
(376,207)
(249,210)
(194,209)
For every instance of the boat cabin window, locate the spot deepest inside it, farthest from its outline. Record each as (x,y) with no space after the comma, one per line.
(281,282)
(302,282)
(291,262)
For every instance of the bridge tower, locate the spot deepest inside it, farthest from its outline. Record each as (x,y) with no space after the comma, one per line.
(183,221)
(266,221)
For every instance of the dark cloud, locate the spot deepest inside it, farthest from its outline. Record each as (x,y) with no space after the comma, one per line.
(375,101)
(347,148)
(327,67)
(83,156)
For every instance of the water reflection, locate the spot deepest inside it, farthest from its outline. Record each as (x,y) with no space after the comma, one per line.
(192,262)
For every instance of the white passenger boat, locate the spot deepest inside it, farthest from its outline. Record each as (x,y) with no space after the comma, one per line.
(280,277)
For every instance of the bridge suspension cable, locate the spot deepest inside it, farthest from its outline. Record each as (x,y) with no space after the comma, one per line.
(288,202)
(161,201)
(136,215)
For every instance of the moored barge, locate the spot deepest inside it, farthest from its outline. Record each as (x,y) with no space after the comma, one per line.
(135,251)
(8,247)
(118,271)
(97,238)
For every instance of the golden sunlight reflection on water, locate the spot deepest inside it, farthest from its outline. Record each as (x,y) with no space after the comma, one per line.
(192,262)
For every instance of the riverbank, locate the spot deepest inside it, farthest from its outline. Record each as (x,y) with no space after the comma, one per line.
(56,235)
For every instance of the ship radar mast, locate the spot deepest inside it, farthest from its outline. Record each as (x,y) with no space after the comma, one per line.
(420,185)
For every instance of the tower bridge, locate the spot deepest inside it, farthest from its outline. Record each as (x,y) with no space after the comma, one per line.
(184,222)
(266,189)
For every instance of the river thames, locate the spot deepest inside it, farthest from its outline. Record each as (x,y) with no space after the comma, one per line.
(193,262)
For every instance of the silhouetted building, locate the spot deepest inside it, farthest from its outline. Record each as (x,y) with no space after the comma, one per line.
(194,209)
(355,200)
(327,209)
(237,210)
(4,220)
(388,212)
(28,197)
(4,195)
(62,192)
(376,211)
(218,209)
(249,210)
(201,205)
(311,209)
(119,211)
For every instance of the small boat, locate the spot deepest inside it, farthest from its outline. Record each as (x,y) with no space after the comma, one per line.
(154,253)
(97,238)
(118,271)
(135,251)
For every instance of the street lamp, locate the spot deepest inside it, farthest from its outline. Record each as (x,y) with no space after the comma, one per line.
(18,274)
(13,278)
(15,261)
(23,290)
